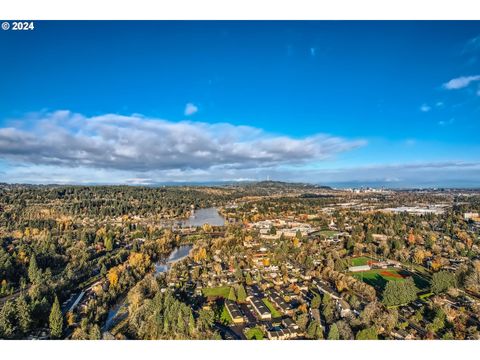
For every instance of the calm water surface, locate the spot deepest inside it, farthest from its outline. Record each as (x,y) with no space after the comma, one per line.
(209,216)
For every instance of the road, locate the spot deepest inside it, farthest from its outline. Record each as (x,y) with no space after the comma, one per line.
(226,332)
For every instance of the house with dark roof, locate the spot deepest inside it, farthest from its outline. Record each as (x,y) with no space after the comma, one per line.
(234,311)
(260,308)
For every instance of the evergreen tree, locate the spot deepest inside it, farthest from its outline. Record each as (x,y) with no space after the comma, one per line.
(108,243)
(314,330)
(241,294)
(33,271)
(103,270)
(191,324)
(95,333)
(56,320)
(231,294)
(315,304)
(367,334)
(24,314)
(443,280)
(399,292)
(8,320)
(298,235)
(333,334)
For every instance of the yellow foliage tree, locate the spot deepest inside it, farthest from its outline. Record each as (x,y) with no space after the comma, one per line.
(113,276)
(418,256)
(436,264)
(140,262)
(207,228)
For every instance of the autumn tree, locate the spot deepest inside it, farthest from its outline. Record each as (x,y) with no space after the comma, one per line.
(472,280)
(418,256)
(411,238)
(113,277)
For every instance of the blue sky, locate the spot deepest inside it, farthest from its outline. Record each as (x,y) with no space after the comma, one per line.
(391,103)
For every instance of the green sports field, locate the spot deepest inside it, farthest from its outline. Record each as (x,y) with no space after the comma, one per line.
(361,260)
(378,278)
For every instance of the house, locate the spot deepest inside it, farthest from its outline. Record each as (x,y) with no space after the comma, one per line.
(359,268)
(234,311)
(471,216)
(282,334)
(279,302)
(260,308)
(289,323)
(343,307)
(324,289)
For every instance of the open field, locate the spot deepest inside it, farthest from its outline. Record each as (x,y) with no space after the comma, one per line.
(221,291)
(378,278)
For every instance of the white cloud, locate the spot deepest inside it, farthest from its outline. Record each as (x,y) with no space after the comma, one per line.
(425,108)
(190,109)
(139,144)
(446,122)
(446,173)
(460,82)
(472,45)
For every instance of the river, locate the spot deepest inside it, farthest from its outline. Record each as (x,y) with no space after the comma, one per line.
(201,217)
(177,254)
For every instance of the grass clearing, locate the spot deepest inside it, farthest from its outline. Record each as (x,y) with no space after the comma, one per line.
(328,233)
(254,334)
(225,317)
(221,291)
(273,310)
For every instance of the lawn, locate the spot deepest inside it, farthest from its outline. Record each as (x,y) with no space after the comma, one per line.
(225,317)
(361,260)
(378,278)
(221,291)
(254,334)
(269,305)
(328,233)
